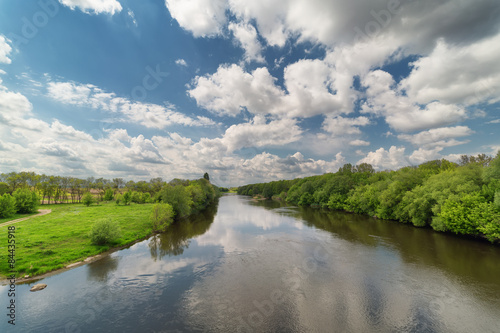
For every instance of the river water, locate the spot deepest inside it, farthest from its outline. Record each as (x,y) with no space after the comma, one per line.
(248,266)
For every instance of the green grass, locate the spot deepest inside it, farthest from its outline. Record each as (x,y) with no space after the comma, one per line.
(52,241)
(17,216)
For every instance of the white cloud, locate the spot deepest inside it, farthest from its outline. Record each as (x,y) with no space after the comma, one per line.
(359,143)
(246,35)
(340,126)
(132,16)
(94,6)
(467,74)
(5,50)
(258,133)
(201,17)
(423,155)
(147,114)
(442,137)
(382,159)
(230,89)
(309,84)
(400,112)
(181,62)
(496,121)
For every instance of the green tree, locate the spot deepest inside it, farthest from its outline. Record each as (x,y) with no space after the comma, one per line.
(206,176)
(161,216)
(466,214)
(126,198)
(108,195)
(88,199)
(179,198)
(7,205)
(26,201)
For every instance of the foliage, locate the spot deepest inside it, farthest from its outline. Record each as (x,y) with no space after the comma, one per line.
(7,205)
(126,198)
(88,199)
(109,195)
(104,231)
(161,216)
(179,198)
(118,199)
(465,214)
(206,176)
(446,196)
(26,201)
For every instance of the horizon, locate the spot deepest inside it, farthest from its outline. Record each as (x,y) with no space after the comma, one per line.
(248,92)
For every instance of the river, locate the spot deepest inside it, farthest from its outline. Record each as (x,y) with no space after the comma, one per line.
(248,266)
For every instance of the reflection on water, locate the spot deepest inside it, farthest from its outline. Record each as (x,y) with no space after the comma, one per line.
(177,238)
(101,269)
(248,266)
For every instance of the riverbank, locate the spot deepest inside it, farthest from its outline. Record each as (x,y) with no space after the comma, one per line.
(54,241)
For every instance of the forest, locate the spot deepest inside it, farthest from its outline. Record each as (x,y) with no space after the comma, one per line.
(461,198)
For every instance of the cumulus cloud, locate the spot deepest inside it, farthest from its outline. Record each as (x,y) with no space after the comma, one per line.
(201,17)
(400,112)
(340,126)
(309,85)
(258,133)
(147,114)
(94,6)
(465,74)
(181,62)
(246,35)
(231,89)
(381,159)
(5,50)
(442,137)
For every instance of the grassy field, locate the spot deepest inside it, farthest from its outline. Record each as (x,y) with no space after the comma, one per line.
(17,216)
(49,242)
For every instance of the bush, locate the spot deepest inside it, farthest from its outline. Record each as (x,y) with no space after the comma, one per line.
(26,201)
(104,231)
(467,214)
(146,197)
(7,205)
(108,195)
(126,198)
(88,199)
(118,199)
(161,216)
(136,197)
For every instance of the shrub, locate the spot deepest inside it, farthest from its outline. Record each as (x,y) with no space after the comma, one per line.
(161,216)
(146,197)
(26,201)
(88,199)
(467,214)
(108,195)
(126,198)
(7,205)
(104,231)
(136,197)
(118,199)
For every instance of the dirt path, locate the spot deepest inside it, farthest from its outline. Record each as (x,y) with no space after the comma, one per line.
(40,213)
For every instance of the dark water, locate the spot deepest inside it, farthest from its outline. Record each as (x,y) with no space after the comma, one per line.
(258,267)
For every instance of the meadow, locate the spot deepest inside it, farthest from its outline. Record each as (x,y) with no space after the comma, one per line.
(49,242)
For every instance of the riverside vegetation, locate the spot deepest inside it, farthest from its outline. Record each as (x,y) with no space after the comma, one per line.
(461,198)
(100,217)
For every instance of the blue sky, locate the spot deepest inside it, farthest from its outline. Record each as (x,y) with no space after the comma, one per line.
(246,91)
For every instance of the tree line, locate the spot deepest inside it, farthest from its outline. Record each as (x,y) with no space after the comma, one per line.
(184,196)
(463,198)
